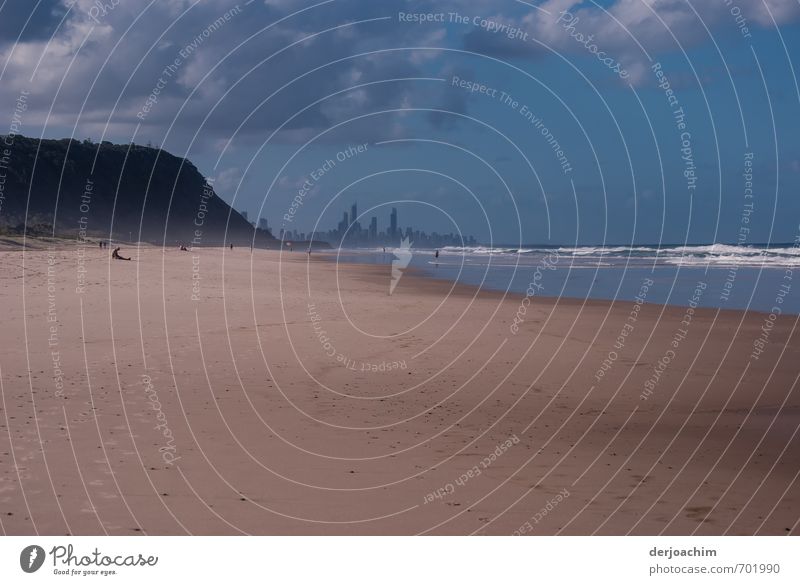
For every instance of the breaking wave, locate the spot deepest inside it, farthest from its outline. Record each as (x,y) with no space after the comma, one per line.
(767,256)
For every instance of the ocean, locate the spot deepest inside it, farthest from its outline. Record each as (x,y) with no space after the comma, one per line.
(756,278)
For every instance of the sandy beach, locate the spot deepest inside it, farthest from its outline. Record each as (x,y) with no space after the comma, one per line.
(217,391)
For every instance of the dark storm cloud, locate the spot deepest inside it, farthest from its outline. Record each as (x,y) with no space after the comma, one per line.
(225,68)
(501,46)
(29,19)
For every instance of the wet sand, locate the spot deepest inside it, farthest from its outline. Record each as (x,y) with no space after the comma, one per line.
(219,392)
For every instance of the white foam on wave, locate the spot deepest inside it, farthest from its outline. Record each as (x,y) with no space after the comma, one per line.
(690,255)
(602,251)
(734,260)
(479,250)
(711,254)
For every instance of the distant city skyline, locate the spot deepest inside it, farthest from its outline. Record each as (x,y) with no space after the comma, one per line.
(349,231)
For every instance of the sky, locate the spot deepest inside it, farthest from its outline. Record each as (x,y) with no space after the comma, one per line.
(555,122)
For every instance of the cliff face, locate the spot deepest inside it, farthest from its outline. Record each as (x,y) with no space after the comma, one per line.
(104,190)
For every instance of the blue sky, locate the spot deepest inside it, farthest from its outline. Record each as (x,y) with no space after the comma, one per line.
(279,87)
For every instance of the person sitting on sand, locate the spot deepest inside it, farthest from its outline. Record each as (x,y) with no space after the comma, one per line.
(115,255)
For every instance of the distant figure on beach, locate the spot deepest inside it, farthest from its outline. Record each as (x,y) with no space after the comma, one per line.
(115,255)
(231,246)
(101,243)
(184,248)
(436,255)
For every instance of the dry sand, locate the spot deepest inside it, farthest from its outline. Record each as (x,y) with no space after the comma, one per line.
(272,435)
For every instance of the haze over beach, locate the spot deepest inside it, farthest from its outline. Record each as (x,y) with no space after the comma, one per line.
(400,268)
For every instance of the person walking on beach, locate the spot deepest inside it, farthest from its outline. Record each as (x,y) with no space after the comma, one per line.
(116,256)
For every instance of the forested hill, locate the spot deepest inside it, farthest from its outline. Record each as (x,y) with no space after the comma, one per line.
(73,188)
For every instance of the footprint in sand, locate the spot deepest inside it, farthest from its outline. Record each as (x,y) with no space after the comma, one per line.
(698,513)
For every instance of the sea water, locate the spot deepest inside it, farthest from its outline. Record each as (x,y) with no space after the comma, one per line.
(758,278)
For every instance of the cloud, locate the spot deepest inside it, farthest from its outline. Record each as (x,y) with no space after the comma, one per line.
(227,181)
(28,20)
(98,69)
(113,62)
(493,44)
(628,28)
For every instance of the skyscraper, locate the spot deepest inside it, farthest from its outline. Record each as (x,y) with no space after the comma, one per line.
(393,222)
(262,224)
(353,213)
(373,228)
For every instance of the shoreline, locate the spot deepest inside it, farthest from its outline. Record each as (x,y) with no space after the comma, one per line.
(419,276)
(39,244)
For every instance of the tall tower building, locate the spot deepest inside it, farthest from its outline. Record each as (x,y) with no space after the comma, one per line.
(353,213)
(373,228)
(393,222)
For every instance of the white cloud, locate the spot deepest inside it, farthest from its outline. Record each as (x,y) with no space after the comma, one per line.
(627,28)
